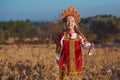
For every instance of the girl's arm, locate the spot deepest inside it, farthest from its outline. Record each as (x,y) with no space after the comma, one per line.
(59,46)
(87,45)
(60,49)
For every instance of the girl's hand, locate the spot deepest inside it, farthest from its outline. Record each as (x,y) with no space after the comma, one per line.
(57,61)
(57,57)
(91,49)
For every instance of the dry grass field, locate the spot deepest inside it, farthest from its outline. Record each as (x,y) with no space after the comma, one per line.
(37,62)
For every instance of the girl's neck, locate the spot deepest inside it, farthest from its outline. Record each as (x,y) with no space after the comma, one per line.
(71,31)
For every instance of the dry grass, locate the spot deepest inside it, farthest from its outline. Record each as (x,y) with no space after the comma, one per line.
(37,62)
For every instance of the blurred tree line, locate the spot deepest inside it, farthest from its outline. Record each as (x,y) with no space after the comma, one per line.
(99,29)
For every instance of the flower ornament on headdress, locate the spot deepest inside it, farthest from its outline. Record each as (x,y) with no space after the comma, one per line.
(70,11)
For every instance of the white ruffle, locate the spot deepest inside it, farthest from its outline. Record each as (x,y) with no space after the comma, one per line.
(87,45)
(74,35)
(58,56)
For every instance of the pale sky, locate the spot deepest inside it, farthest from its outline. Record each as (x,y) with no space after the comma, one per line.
(47,10)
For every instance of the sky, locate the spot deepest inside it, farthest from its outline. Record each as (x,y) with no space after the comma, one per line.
(48,10)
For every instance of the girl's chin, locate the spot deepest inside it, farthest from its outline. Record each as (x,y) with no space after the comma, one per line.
(70,28)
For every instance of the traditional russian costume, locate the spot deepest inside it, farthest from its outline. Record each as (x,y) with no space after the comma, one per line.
(70,53)
(68,50)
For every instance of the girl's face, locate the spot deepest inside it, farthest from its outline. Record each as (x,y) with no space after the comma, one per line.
(70,22)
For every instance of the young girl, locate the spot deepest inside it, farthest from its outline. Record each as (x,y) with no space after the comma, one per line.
(69,54)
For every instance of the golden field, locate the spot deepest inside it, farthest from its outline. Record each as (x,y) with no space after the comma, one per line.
(38,62)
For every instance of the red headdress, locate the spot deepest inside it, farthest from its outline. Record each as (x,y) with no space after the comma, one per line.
(70,11)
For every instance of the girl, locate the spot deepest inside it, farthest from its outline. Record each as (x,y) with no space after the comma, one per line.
(69,54)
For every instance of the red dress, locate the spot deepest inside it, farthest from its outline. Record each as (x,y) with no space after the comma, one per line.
(70,62)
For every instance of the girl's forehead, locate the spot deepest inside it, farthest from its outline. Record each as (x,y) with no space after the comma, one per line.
(70,18)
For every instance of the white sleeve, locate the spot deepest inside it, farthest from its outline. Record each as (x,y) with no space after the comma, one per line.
(86,45)
(61,42)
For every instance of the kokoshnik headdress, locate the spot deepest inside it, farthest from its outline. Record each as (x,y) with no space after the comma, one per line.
(70,11)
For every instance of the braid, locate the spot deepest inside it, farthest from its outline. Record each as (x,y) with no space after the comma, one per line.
(79,32)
